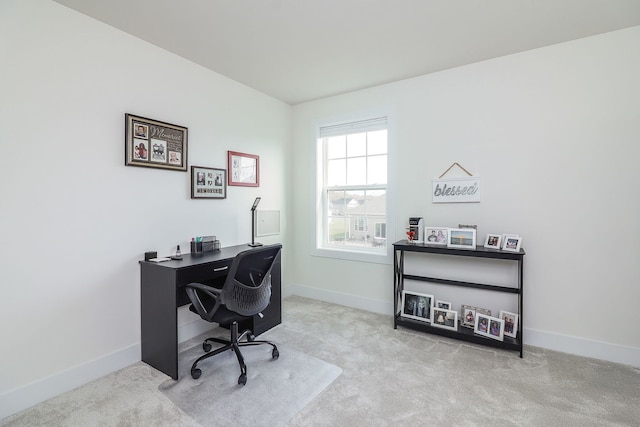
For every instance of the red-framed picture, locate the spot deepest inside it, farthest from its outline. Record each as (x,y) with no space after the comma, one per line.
(244,169)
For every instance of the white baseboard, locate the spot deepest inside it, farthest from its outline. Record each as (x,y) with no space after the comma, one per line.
(583,347)
(23,397)
(368,304)
(566,344)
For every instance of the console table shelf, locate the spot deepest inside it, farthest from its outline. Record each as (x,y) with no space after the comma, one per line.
(462,333)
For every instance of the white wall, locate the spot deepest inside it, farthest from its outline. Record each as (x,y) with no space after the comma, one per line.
(74,220)
(553,133)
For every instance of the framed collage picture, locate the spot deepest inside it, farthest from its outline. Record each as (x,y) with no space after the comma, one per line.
(154,144)
(208,183)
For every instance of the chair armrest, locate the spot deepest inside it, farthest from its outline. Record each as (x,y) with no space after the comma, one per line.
(214,293)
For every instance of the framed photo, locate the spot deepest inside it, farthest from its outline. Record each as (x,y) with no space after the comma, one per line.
(446,319)
(436,236)
(244,169)
(510,323)
(208,183)
(489,326)
(462,238)
(493,241)
(469,313)
(442,304)
(417,306)
(154,144)
(512,243)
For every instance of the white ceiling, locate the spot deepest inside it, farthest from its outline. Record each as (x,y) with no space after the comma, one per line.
(301,50)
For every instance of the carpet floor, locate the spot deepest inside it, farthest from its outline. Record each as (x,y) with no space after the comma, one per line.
(389,378)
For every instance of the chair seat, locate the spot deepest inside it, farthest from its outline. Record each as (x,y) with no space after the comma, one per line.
(223,316)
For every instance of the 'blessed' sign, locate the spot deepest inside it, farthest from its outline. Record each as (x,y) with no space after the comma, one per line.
(456,190)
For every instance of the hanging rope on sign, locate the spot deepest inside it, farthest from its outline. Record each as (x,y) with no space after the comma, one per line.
(458,165)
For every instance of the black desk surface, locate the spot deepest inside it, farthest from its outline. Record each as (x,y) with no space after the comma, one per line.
(191,259)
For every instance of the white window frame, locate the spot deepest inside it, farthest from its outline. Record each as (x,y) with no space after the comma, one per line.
(349,253)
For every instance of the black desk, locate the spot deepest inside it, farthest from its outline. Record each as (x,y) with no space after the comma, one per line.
(162,292)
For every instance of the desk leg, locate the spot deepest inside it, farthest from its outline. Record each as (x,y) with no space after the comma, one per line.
(159,318)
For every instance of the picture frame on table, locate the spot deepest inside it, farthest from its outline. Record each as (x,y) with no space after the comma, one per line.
(468,315)
(462,238)
(417,306)
(510,323)
(489,327)
(442,304)
(445,319)
(436,236)
(244,169)
(155,144)
(512,243)
(208,183)
(493,241)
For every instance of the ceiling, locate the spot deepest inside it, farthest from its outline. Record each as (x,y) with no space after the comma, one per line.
(302,50)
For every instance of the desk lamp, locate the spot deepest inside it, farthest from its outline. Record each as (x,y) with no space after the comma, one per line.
(253,222)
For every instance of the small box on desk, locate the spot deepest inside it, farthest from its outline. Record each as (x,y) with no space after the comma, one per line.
(206,244)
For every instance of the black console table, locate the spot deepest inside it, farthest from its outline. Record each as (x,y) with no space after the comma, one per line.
(162,292)
(462,333)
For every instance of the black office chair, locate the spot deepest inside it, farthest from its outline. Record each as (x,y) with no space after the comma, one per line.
(245,293)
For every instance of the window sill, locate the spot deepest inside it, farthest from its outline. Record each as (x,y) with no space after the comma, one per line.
(347,255)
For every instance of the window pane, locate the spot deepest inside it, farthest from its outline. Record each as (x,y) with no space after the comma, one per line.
(377,142)
(377,169)
(357,171)
(357,144)
(376,202)
(338,231)
(355,203)
(336,172)
(337,204)
(336,146)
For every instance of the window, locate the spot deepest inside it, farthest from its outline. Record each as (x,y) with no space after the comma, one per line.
(352,187)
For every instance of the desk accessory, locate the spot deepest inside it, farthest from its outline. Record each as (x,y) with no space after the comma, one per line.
(149,255)
(204,244)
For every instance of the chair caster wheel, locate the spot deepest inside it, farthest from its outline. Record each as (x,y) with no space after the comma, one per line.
(242,379)
(251,337)
(195,373)
(275,353)
(206,347)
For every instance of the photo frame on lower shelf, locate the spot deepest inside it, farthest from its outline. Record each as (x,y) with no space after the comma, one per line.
(445,319)
(510,323)
(417,306)
(489,327)
(468,315)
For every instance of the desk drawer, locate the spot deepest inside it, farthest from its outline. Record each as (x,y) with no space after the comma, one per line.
(210,274)
(203,273)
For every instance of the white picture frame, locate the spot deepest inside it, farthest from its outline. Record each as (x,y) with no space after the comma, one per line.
(445,319)
(493,241)
(468,315)
(512,243)
(510,323)
(436,236)
(442,304)
(417,306)
(489,327)
(462,238)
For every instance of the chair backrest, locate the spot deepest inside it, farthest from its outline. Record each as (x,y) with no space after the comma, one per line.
(247,289)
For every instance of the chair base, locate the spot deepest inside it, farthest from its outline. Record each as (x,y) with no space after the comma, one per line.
(234,344)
